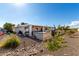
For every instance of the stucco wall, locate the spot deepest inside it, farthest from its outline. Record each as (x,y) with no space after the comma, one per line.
(20,29)
(42,35)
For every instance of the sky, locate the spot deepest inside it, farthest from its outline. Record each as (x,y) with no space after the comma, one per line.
(40,14)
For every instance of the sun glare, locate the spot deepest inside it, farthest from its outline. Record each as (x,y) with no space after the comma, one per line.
(19,4)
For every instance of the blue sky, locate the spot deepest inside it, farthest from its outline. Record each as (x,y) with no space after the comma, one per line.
(40,14)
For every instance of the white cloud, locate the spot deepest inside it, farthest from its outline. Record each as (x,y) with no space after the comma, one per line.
(74,24)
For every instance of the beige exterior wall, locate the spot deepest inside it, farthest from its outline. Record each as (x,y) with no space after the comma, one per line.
(43,35)
(22,28)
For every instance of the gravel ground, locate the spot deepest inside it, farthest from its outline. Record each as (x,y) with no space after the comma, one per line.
(30,47)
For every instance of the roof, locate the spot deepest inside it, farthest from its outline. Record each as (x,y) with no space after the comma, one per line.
(26,24)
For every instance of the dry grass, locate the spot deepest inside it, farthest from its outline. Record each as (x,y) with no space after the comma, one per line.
(10,41)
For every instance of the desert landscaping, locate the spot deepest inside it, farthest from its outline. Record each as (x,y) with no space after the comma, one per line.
(64,42)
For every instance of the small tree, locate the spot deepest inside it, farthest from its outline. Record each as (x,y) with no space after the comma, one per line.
(59,27)
(67,27)
(8,27)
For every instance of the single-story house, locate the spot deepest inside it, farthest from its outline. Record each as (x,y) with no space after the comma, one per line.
(40,32)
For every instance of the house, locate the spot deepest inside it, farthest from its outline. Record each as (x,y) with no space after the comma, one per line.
(39,32)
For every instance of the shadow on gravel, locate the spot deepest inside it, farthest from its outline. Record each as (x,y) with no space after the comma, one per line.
(6,49)
(37,40)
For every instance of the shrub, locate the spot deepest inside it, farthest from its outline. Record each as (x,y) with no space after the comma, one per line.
(14,32)
(11,41)
(71,31)
(55,44)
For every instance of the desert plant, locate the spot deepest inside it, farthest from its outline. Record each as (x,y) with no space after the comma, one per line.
(66,27)
(71,31)
(11,41)
(63,29)
(56,43)
(14,32)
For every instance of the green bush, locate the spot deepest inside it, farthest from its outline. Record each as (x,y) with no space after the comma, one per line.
(55,44)
(71,31)
(14,32)
(11,41)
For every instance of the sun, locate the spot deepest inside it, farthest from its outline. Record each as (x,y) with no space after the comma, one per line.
(19,4)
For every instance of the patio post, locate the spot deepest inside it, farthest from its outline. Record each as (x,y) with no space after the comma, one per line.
(30,30)
(43,28)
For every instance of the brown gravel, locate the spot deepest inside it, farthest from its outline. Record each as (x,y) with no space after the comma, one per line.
(30,47)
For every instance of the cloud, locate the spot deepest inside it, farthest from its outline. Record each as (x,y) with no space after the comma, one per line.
(74,24)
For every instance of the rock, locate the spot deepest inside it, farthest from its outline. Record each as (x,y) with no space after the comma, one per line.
(23,49)
(65,54)
(7,54)
(41,50)
(17,50)
(29,47)
(32,54)
(47,55)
